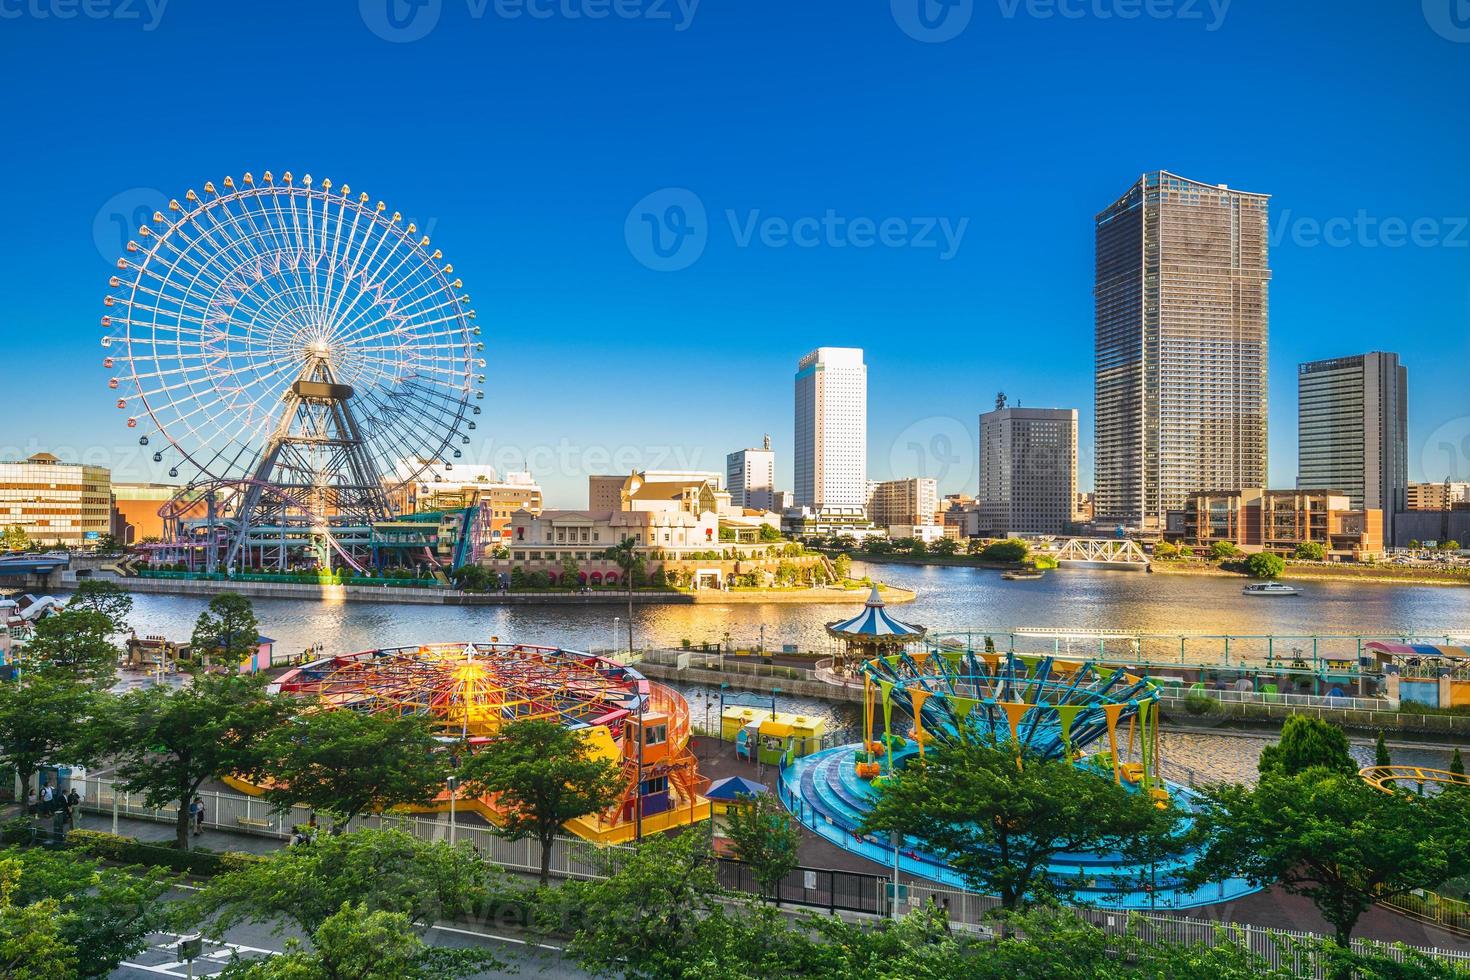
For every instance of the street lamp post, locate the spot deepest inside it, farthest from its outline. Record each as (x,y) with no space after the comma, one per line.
(453,783)
(616,621)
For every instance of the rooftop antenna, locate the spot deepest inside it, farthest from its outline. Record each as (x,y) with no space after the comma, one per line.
(767,444)
(1000,400)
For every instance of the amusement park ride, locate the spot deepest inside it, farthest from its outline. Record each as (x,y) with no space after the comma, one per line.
(470,691)
(290,343)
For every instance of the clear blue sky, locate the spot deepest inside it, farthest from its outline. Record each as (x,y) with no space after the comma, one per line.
(523,143)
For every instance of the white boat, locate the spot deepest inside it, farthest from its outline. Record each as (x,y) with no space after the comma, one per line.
(1271,588)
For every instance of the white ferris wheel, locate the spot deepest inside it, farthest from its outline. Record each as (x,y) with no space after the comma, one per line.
(287,346)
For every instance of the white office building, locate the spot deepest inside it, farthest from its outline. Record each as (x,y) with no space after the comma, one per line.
(831,445)
(750,476)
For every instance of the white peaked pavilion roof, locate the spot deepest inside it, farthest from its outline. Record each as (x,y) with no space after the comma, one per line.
(874,624)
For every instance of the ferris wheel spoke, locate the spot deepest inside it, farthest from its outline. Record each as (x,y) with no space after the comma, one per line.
(230,296)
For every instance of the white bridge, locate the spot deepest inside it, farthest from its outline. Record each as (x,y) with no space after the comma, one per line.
(1102,553)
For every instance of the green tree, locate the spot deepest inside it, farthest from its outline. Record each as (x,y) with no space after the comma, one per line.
(104,915)
(769,534)
(878,546)
(1333,839)
(41,720)
(1457,764)
(842,567)
(544,774)
(226,631)
(766,837)
(1380,752)
(643,918)
(356,944)
(945,547)
(570,571)
(31,945)
(1165,551)
(168,742)
(75,644)
(1223,551)
(107,598)
(345,763)
(1306,743)
(1010,550)
(1265,565)
(386,870)
(16,539)
(997,816)
(1310,551)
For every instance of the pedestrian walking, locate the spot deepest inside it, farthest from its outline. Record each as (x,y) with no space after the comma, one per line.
(31,802)
(198,816)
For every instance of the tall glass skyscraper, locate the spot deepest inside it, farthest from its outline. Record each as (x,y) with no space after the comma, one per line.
(1352,431)
(1181,310)
(830,452)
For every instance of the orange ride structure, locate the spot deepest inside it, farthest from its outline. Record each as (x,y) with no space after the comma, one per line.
(471,690)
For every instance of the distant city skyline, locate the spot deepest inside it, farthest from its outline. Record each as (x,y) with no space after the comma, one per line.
(525,147)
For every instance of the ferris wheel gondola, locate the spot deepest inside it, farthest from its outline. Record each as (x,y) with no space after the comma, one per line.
(291,334)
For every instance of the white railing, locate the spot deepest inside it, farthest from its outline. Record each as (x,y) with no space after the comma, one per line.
(1231,696)
(238,813)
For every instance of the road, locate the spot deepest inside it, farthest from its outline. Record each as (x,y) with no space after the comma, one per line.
(254,941)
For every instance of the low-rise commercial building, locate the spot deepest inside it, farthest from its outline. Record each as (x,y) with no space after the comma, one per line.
(440,487)
(604,490)
(910,501)
(56,503)
(1438,496)
(1278,521)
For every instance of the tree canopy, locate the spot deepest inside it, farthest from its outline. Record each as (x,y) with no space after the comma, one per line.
(1334,839)
(1265,565)
(168,741)
(383,870)
(766,837)
(997,816)
(1307,742)
(75,644)
(107,598)
(42,720)
(226,631)
(345,763)
(543,774)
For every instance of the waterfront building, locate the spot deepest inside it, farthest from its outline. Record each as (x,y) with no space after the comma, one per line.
(750,476)
(1278,521)
(913,501)
(1437,496)
(1086,508)
(818,522)
(135,511)
(441,487)
(830,451)
(604,491)
(782,501)
(1352,430)
(56,503)
(1028,470)
(1181,313)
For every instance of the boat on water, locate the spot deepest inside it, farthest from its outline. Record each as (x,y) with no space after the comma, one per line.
(1023,575)
(1271,589)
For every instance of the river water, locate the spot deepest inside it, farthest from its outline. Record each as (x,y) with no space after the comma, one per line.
(949,599)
